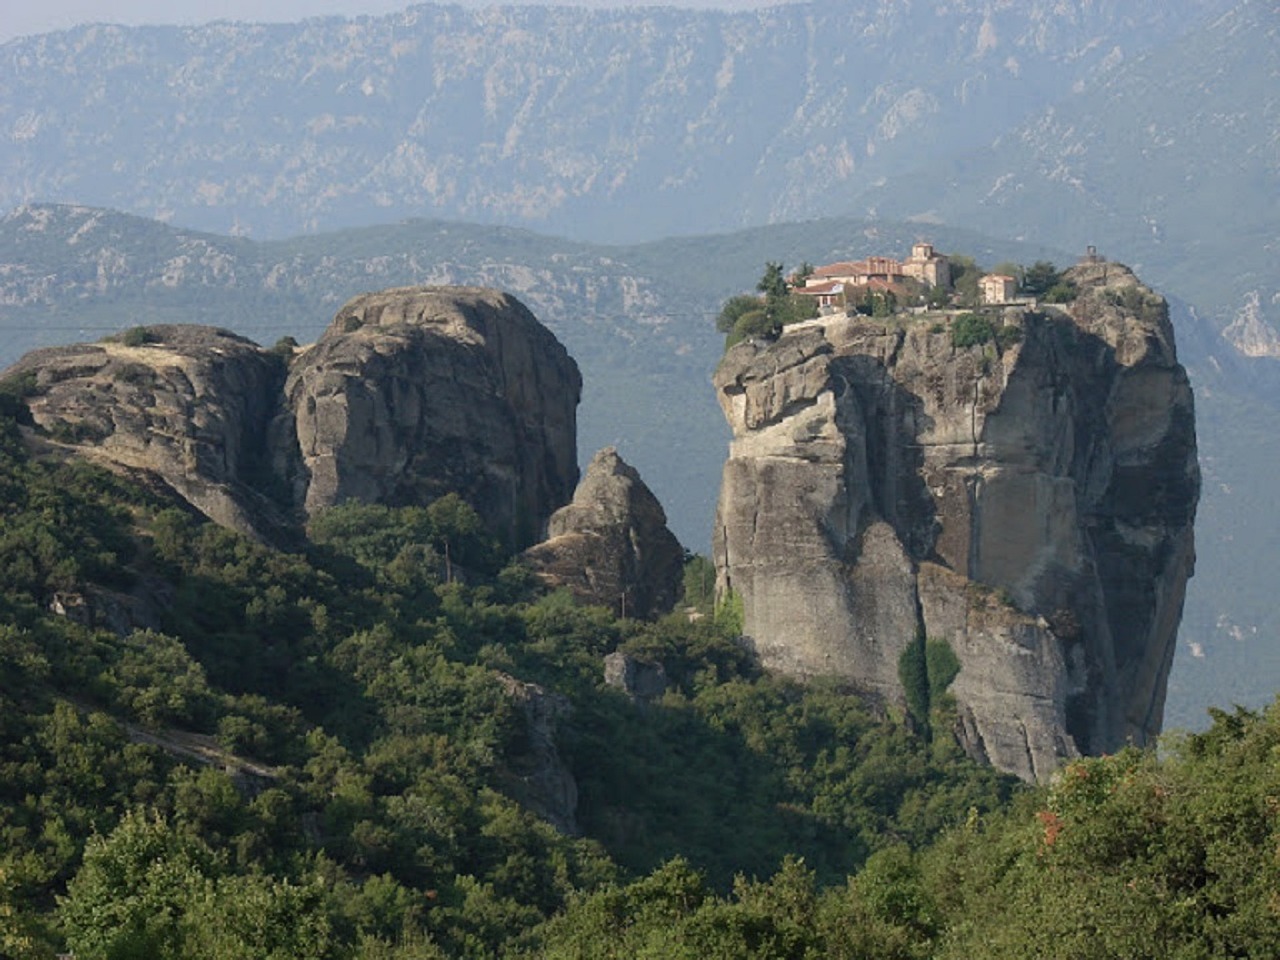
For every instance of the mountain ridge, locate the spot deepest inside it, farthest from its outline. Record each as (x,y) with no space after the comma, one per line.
(567,119)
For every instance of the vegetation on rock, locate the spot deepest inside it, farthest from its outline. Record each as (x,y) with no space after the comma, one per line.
(744,316)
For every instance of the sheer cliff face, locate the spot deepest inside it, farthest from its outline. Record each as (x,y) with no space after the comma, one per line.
(411,393)
(420,391)
(1030,504)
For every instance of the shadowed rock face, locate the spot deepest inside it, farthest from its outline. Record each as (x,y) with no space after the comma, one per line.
(420,391)
(611,546)
(1032,505)
(411,393)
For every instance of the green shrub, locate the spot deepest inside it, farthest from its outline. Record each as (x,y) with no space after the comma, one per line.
(971,329)
(699,583)
(913,674)
(1008,335)
(753,324)
(941,667)
(926,669)
(137,337)
(20,386)
(79,431)
(730,615)
(1062,292)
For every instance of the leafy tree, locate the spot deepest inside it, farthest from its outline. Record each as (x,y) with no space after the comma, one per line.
(1041,277)
(942,666)
(1132,855)
(1008,268)
(970,330)
(754,324)
(149,891)
(699,587)
(773,283)
(130,896)
(745,316)
(158,682)
(878,303)
(914,677)
(1063,292)
(20,934)
(965,275)
(735,308)
(937,296)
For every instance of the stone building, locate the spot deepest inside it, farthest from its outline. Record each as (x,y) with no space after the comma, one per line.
(928,266)
(998,288)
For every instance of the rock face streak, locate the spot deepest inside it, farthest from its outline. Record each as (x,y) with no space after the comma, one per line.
(1031,504)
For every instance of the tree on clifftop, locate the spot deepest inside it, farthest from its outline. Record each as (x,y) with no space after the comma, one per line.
(744,316)
(773,284)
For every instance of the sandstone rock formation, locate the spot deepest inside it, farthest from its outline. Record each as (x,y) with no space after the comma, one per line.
(187,404)
(419,391)
(1029,500)
(611,546)
(410,394)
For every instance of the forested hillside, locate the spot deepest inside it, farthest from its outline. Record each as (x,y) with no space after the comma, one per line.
(331,747)
(210,749)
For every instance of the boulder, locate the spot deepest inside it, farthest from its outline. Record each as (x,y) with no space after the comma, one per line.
(611,547)
(410,394)
(638,679)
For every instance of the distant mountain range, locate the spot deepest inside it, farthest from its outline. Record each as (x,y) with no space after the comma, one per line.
(1173,158)
(608,125)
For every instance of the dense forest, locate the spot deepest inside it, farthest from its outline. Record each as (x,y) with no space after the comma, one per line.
(212,748)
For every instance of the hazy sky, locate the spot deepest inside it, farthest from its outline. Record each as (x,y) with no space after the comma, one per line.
(21,17)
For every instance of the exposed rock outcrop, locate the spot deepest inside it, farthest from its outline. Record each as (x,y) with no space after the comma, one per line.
(187,404)
(1031,504)
(141,608)
(410,394)
(611,546)
(638,679)
(538,777)
(419,391)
